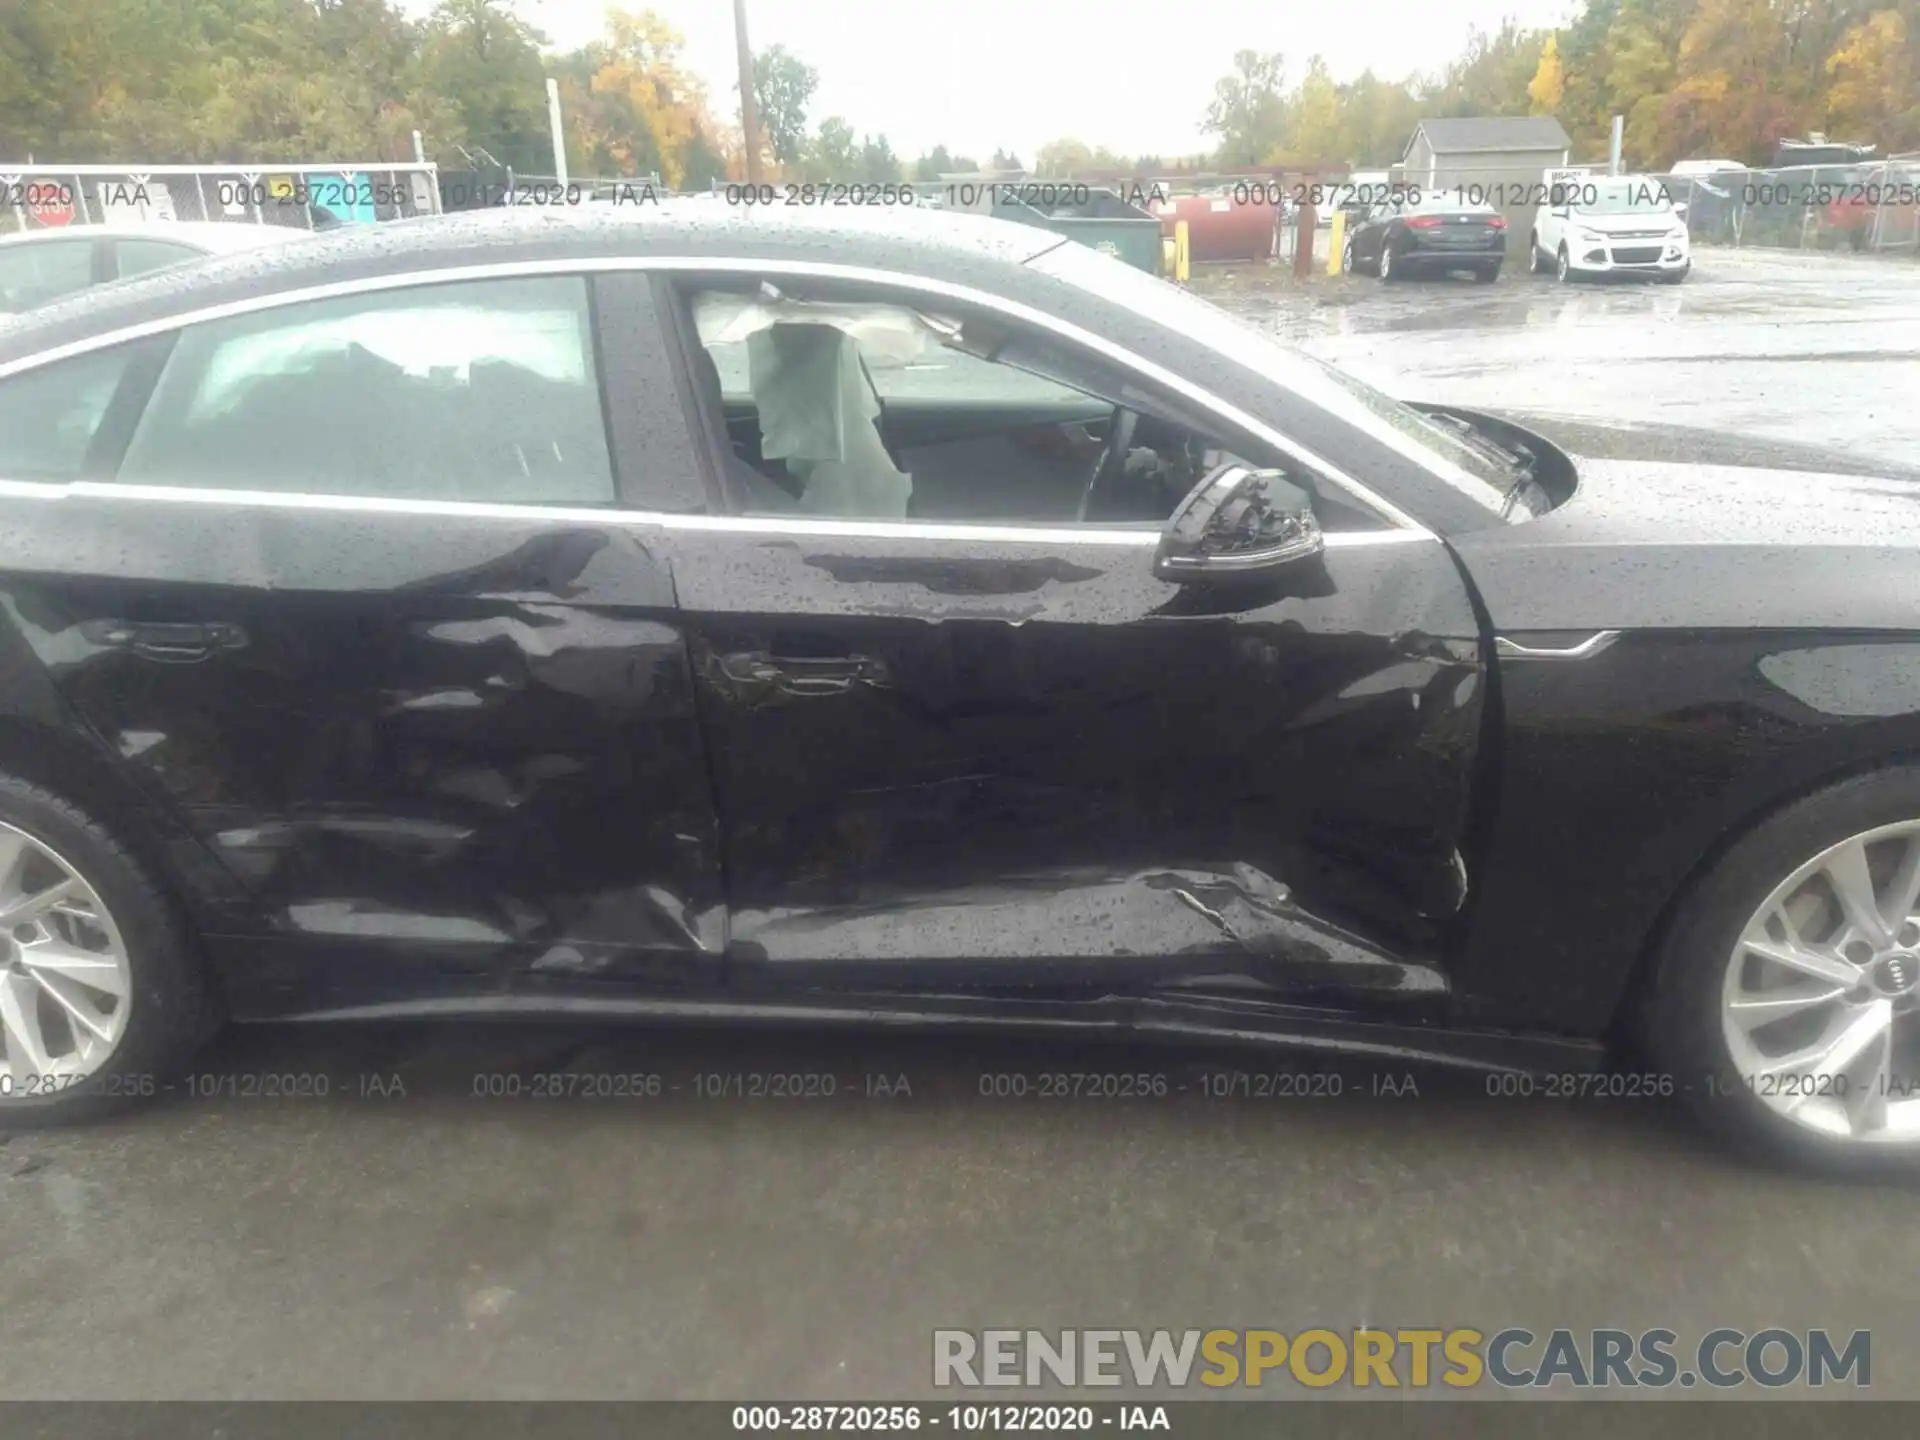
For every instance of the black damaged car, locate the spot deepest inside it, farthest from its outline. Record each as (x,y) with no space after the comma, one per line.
(668,613)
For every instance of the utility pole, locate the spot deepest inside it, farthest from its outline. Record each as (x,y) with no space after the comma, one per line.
(749,112)
(559,133)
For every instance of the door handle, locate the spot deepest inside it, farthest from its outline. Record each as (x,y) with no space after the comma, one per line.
(166,641)
(805,675)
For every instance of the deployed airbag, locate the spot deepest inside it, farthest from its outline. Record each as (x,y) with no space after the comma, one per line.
(817,413)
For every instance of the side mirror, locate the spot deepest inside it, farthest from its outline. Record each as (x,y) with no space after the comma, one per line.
(1238,521)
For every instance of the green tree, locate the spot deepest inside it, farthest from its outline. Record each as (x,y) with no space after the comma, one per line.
(1379,120)
(783,86)
(878,164)
(1314,119)
(1586,102)
(832,154)
(487,63)
(1248,111)
(705,164)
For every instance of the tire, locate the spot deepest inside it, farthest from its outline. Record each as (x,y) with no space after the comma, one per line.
(1677,276)
(1538,262)
(1563,267)
(1700,977)
(1346,257)
(1487,274)
(168,1009)
(1383,267)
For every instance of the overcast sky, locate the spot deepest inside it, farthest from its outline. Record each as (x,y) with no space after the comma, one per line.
(976,74)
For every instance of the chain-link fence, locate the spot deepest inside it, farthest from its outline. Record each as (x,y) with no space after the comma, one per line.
(307,197)
(1864,207)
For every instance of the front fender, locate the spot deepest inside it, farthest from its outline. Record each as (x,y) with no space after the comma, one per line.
(1623,774)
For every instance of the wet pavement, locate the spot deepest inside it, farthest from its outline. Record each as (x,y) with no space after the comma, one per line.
(433,1228)
(1815,348)
(792,1215)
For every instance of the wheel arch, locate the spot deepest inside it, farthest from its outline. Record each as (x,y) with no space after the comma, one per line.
(1637,985)
(78,769)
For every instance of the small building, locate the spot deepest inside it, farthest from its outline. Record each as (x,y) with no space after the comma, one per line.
(1496,158)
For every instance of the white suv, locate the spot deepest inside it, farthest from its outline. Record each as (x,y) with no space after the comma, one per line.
(1608,224)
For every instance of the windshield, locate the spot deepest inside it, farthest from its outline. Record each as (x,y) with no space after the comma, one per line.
(1442,452)
(1641,197)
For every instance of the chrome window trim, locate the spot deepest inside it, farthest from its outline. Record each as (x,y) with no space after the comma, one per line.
(783,525)
(603,264)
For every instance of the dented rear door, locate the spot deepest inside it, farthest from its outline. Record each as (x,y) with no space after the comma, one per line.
(434,714)
(1015,758)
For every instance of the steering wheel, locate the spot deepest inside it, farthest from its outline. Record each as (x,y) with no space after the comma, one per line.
(1113,458)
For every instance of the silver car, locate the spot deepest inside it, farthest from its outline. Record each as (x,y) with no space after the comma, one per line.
(41,265)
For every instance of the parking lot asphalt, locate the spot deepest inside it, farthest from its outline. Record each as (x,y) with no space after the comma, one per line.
(422,1230)
(1818,348)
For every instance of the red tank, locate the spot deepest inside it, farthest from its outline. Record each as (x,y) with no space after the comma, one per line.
(1226,226)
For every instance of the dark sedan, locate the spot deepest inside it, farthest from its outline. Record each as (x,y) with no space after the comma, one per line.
(1435,233)
(671,613)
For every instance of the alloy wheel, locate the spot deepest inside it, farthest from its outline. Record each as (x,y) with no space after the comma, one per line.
(65,985)
(1563,270)
(1386,262)
(1346,258)
(1820,1006)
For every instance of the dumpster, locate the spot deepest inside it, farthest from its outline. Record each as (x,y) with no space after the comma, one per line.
(1098,218)
(1236,225)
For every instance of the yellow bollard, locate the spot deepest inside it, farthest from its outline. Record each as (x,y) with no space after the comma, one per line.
(1336,241)
(1182,257)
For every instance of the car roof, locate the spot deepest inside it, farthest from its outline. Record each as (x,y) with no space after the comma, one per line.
(204,235)
(958,247)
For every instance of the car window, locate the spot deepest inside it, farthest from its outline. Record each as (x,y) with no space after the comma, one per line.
(49,416)
(136,257)
(32,274)
(873,409)
(481,391)
(1444,455)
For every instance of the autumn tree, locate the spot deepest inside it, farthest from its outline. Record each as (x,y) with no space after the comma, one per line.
(1491,76)
(1875,89)
(1548,86)
(631,106)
